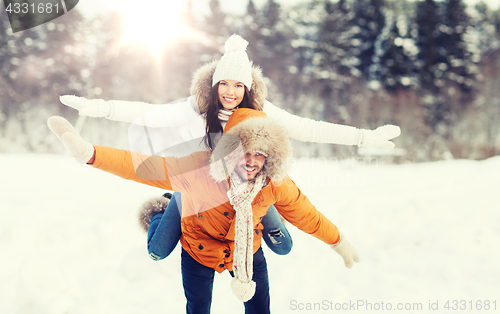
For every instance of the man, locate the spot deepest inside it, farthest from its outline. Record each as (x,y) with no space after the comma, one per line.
(225,194)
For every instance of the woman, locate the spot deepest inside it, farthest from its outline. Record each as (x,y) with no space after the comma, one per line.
(216,90)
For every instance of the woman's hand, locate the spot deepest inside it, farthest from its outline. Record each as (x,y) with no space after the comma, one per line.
(95,108)
(380,137)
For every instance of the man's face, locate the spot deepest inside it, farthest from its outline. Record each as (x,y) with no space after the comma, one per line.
(248,167)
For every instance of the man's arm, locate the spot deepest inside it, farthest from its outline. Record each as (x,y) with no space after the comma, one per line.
(296,208)
(167,173)
(149,170)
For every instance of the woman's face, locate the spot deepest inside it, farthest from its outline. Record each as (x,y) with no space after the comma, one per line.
(231,93)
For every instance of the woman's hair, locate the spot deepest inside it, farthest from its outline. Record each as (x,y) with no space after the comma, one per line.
(213,127)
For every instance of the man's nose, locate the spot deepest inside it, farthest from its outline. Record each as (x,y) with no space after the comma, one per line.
(249,160)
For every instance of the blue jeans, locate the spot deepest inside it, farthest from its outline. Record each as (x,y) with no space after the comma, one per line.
(198,282)
(165,231)
(275,234)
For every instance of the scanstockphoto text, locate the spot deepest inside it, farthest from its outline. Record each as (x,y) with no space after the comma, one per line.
(335,171)
(330,172)
(333,162)
(457,305)
(321,174)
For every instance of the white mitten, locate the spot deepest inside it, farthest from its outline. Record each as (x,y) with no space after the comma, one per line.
(347,251)
(379,137)
(82,151)
(95,108)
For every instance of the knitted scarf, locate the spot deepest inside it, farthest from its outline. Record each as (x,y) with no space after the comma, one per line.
(241,194)
(224,114)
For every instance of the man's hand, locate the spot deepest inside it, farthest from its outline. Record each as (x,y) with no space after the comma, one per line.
(347,251)
(81,150)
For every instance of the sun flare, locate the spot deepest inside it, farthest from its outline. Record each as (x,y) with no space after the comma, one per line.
(153,23)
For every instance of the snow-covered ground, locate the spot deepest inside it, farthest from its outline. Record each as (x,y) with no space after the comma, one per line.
(427,234)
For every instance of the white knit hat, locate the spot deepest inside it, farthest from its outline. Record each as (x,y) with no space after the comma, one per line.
(234,64)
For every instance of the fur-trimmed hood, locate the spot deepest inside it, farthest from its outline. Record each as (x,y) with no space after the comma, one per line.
(201,85)
(250,130)
(149,208)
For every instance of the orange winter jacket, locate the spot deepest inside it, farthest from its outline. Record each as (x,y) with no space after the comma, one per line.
(207,216)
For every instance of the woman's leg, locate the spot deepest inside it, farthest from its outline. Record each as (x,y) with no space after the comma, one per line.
(165,229)
(275,233)
(198,283)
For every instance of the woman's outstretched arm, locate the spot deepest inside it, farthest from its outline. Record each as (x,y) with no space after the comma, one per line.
(309,130)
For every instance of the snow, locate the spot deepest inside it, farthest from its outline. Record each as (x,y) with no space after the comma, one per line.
(70,241)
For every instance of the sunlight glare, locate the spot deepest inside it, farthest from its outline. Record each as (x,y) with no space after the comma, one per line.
(153,23)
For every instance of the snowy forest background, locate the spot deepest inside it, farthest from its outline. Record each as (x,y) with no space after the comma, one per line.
(431,67)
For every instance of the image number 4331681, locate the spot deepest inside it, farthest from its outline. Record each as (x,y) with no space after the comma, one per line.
(24,14)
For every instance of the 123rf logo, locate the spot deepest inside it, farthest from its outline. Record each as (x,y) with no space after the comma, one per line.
(24,14)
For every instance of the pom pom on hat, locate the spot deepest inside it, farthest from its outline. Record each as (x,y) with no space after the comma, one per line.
(234,64)
(244,291)
(235,43)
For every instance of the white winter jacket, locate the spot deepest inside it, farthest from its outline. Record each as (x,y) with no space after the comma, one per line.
(183,120)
